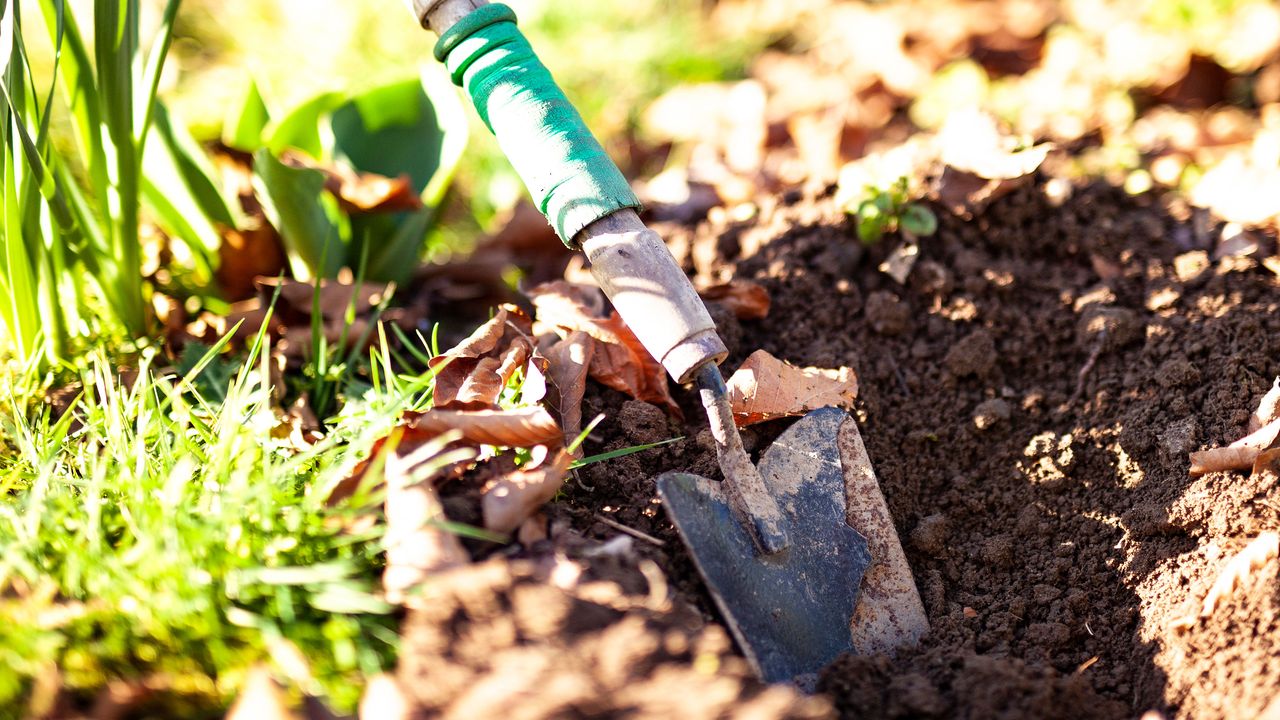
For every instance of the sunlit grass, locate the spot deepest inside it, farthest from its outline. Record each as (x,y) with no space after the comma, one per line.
(152,533)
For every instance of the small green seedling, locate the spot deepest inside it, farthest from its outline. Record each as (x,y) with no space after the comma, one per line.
(889,210)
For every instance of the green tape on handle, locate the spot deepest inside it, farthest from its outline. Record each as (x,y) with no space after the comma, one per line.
(570,176)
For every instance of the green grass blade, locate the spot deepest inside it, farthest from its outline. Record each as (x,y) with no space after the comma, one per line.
(623,452)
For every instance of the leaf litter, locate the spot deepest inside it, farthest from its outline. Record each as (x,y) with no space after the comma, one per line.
(766,388)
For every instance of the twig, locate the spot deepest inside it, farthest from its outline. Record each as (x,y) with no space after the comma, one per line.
(1087,368)
(629,530)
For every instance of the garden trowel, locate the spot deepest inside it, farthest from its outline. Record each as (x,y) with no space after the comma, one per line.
(800,553)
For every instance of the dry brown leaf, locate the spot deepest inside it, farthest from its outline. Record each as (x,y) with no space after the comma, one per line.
(619,360)
(567,363)
(748,300)
(246,254)
(766,388)
(1268,408)
(335,296)
(360,192)
(1239,455)
(1260,551)
(510,500)
(261,698)
(472,375)
(523,427)
(981,163)
(416,545)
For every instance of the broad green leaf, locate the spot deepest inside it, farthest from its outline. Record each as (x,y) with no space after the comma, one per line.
(412,127)
(303,126)
(293,201)
(243,128)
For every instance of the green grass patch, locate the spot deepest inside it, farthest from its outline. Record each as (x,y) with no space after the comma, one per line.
(158,530)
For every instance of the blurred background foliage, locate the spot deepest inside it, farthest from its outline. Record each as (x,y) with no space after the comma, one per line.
(820,72)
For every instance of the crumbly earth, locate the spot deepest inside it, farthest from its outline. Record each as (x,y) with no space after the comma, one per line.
(1028,399)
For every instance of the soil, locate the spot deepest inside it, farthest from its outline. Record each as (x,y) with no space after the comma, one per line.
(1028,400)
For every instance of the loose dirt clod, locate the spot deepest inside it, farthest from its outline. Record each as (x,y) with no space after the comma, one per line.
(974,354)
(553,638)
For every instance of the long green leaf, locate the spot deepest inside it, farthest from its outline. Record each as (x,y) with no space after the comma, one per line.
(293,199)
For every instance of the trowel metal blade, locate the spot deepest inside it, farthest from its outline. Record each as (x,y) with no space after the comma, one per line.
(790,612)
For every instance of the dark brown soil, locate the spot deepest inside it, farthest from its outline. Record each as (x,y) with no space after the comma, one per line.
(1028,400)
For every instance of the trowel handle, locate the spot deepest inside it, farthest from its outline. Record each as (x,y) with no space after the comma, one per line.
(573,181)
(652,294)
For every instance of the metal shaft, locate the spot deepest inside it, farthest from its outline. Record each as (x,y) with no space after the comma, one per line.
(744,487)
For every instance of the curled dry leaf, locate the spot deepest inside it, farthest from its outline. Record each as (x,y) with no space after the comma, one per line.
(523,427)
(748,300)
(1239,455)
(567,363)
(1260,551)
(335,296)
(360,192)
(766,388)
(1268,408)
(618,360)
(513,498)
(472,375)
(416,545)
(981,163)
(246,254)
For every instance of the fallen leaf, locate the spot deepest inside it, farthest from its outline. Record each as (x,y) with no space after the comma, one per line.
(336,296)
(246,254)
(1239,455)
(766,388)
(618,360)
(407,441)
(567,363)
(981,163)
(473,374)
(360,192)
(416,545)
(748,300)
(1268,408)
(523,427)
(1260,551)
(508,501)
(261,698)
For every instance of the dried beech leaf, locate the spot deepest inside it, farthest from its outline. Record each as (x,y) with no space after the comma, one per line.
(416,545)
(972,142)
(1239,455)
(625,365)
(766,388)
(524,427)
(748,300)
(510,500)
(361,192)
(1268,408)
(335,296)
(1260,551)
(246,254)
(618,360)
(981,163)
(472,375)
(567,363)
